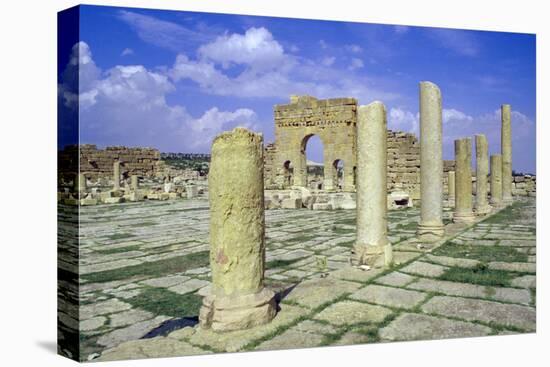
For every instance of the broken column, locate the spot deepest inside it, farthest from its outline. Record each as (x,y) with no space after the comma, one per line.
(116,175)
(506,150)
(482,171)
(463,181)
(496,180)
(372,224)
(80,183)
(430,227)
(451,188)
(134,183)
(238,299)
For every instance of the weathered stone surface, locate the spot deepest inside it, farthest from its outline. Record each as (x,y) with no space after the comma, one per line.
(506,149)
(93,323)
(482,170)
(525,281)
(396,279)
(316,292)
(496,180)
(189,286)
(166,282)
(351,338)
(463,212)
(355,274)
(519,267)
(388,296)
(132,332)
(292,339)
(472,290)
(150,348)
(424,269)
(313,327)
(522,317)
(103,308)
(430,227)
(233,341)
(238,299)
(453,261)
(350,312)
(408,326)
(129,317)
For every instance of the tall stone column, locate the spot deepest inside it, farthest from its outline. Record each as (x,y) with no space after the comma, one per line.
(482,171)
(372,221)
(80,183)
(496,180)
(430,227)
(116,175)
(506,150)
(238,299)
(451,188)
(134,183)
(463,194)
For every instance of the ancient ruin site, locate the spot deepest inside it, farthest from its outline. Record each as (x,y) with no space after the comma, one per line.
(254,247)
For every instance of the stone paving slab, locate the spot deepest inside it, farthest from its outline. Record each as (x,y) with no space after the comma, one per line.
(396,279)
(522,317)
(519,267)
(525,281)
(472,290)
(313,293)
(424,269)
(351,312)
(389,296)
(132,332)
(409,326)
(292,339)
(453,261)
(151,348)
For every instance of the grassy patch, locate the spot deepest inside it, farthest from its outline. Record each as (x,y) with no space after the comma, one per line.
(410,226)
(156,268)
(301,238)
(349,221)
(160,301)
(482,253)
(120,236)
(481,275)
(508,214)
(108,251)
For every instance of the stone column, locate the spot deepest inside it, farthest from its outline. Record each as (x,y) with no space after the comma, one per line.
(496,180)
(506,150)
(238,299)
(80,183)
(451,186)
(430,227)
(372,223)
(116,175)
(463,195)
(482,171)
(134,183)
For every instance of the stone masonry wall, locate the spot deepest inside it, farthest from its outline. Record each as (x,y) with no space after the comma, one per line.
(96,163)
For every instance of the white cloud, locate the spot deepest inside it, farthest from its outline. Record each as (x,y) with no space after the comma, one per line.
(403,120)
(356,63)
(460,41)
(256,48)
(127,51)
(353,48)
(128,103)
(328,61)
(455,116)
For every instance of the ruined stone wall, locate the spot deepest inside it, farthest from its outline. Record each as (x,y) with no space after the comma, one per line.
(96,163)
(404,163)
(270,152)
(524,185)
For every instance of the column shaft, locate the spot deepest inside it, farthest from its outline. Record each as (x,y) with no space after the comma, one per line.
(482,171)
(506,150)
(463,194)
(496,180)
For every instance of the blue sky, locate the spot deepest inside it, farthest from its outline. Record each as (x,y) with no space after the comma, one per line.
(173,80)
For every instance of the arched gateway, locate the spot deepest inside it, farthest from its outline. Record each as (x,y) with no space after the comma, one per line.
(334,121)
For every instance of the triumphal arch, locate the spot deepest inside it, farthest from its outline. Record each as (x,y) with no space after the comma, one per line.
(334,121)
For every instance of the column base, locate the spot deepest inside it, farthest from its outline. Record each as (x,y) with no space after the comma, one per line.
(464,217)
(365,254)
(484,210)
(228,313)
(430,233)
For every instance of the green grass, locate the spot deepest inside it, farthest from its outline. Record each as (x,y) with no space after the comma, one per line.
(508,214)
(160,301)
(120,236)
(480,275)
(349,221)
(108,251)
(410,226)
(156,268)
(481,253)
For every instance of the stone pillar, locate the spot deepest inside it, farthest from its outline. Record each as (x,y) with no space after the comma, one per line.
(482,171)
(134,183)
(238,299)
(463,195)
(430,227)
(328,173)
(80,183)
(506,150)
(496,180)
(116,175)
(451,188)
(372,223)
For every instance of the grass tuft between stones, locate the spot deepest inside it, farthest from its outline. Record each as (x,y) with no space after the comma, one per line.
(481,275)
(160,301)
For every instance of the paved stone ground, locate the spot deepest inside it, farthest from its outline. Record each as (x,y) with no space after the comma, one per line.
(145,265)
